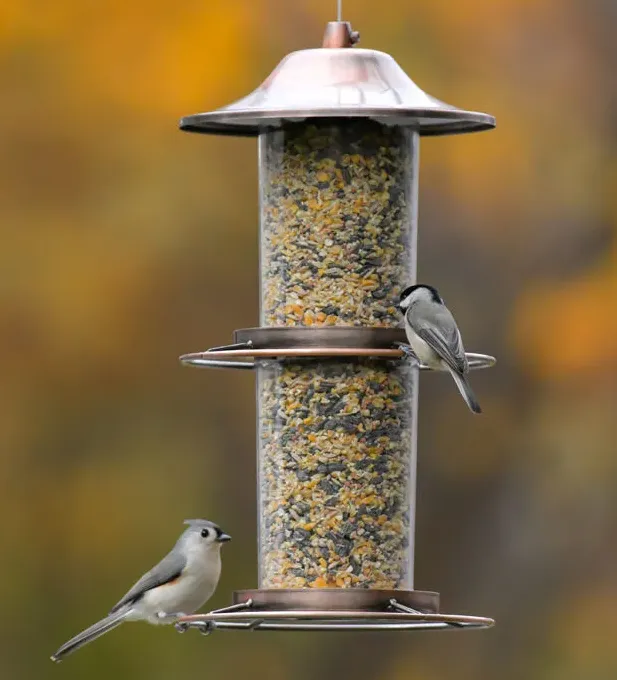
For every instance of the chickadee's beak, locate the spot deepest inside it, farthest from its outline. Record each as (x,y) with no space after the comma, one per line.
(223,538)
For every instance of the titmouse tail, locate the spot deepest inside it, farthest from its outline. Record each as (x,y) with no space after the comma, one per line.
(92,633)
(466,392)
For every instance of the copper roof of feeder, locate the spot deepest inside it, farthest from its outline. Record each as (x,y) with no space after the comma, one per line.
(336,82)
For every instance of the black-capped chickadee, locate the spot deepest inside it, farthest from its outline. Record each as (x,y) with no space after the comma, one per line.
(178,585)
(434,337)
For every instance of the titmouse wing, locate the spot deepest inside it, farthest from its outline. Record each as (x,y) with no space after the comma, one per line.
(167,570)
(437,327)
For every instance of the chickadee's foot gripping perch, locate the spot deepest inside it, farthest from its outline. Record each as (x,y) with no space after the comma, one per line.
(408,352)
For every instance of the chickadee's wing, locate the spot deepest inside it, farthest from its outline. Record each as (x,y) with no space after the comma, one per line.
(437,327)
(166,571)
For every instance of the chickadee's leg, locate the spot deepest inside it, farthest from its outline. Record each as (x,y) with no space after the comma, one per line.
(408,352)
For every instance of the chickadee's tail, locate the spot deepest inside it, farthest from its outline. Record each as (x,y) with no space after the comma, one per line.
(466,392)
(95,631)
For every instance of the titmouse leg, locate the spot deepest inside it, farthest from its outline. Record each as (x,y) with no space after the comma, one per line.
(408,352)
(204,627)
(163,616)
(207,627)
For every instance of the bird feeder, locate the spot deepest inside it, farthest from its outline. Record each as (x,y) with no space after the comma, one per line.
(338,130)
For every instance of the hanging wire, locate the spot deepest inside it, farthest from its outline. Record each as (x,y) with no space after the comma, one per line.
(339,10)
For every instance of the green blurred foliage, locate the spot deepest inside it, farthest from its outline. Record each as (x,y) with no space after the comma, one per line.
(126,244)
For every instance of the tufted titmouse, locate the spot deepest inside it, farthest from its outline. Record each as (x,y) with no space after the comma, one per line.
(434,337)
(179,584)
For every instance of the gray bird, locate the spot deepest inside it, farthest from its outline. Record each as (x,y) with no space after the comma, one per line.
(434,337)
(178,585)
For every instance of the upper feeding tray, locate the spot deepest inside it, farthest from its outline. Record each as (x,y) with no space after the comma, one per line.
(336,82)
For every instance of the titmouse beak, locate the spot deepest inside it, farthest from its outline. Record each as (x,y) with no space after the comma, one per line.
(223,538)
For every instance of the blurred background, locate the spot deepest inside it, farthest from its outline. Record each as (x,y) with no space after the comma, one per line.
(126,243)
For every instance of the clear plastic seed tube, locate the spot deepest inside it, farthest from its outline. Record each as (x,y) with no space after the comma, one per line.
(336,438)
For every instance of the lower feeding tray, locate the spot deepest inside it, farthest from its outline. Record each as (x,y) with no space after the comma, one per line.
(331,609)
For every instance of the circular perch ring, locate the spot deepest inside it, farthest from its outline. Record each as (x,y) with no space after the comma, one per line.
(225,358)
(243,616)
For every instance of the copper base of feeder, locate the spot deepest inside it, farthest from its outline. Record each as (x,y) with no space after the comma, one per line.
(335,599)
(331,609)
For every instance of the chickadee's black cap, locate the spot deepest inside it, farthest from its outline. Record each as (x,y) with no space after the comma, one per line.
(434,292)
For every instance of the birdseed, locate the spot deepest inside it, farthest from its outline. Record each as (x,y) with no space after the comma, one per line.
(337,218)
(336,436)
(335,473)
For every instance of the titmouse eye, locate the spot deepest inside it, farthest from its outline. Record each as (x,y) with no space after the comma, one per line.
(205,533)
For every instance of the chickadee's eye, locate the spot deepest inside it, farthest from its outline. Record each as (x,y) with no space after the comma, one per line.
(205,533)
